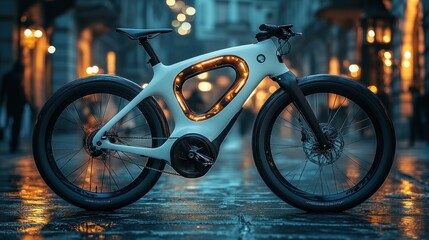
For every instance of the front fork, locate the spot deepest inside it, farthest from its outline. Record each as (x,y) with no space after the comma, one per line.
(289,82)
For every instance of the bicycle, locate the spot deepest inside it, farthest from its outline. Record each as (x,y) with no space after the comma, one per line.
(321,143)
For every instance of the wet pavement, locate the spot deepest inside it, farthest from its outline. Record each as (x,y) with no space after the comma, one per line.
(230,202)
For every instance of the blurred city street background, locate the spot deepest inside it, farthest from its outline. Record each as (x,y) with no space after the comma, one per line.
(382,44)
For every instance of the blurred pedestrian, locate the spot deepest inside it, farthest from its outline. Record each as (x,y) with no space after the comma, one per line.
(415,119)
(12,94)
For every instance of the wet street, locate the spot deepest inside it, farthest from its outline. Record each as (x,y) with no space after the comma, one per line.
(230,202)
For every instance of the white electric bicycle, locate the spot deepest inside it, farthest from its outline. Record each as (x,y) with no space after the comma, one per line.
(321,143)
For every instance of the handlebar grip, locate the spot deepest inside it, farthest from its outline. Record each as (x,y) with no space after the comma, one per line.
(269,28)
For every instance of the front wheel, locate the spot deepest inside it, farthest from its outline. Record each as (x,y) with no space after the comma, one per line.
(360,153)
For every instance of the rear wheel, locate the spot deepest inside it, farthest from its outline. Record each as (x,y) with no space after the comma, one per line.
(299,171)
(73,168)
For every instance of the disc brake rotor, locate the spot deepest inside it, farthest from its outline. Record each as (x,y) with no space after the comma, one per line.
(318,155)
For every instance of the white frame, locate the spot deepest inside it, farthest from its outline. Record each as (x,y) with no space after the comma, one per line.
(162,85)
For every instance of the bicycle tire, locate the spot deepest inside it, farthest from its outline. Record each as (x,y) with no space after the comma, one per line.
(288,188)
(47,159)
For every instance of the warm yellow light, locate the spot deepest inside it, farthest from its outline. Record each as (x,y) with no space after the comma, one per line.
(353,68)
(186,26)
(175,23)
(28,32)
(170,2)
(373,89)
(111,62)
(260,96)
(182,31)
(272,89)
(407,54)
(51,49)
(387,55)
(89,70)
(388,62)
(406,63)
(386,38)
(190,11)
(92,70)
(38,33)
(370,36)
(144,85)
(204,86)
(181,17)
(203,75)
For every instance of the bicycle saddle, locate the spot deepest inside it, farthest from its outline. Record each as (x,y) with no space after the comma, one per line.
(135,34)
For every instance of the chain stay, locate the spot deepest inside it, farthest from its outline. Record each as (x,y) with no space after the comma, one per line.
(144,166)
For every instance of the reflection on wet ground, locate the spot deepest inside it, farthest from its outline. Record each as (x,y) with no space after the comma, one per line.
(230,201)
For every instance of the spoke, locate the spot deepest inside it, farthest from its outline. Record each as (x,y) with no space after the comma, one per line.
(360,159)
(101,105)
(131,119)
(77,169)
(119,109)
(329,112)
(285,146)
(144,124)
(125,165)
(354,115)
(352,124)
(355,161)
(321,181)
(354,142)
(335,180)
(300,176)
(360,129)
(90,174)
(86,173)
(67,160)
(341,105)
(130,161)
(293,128)
(309,184)
(66,143)
(138,165)
(346,177)
(326,182)
(75,123)
(78,115)
(102,180)
(110,174)
(105,109)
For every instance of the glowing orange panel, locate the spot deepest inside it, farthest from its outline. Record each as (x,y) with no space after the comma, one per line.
(241,74)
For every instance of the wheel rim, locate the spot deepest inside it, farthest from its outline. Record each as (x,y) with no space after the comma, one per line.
(97,173)
(314,173)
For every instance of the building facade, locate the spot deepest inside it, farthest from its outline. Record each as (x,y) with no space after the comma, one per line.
(342,37)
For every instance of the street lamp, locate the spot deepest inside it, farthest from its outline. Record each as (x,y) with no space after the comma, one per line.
(377,25)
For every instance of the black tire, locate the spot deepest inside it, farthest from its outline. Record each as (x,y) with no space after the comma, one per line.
(61,150)
(322,181)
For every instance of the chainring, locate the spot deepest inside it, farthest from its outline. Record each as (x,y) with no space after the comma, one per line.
(192,155)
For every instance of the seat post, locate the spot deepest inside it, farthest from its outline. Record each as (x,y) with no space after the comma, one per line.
(153,57)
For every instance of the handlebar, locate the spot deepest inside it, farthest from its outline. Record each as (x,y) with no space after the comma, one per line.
(280,31)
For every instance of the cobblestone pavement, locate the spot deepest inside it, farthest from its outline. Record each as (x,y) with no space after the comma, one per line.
(230,202)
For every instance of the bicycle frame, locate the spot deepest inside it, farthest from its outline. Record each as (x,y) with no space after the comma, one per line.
(163,82)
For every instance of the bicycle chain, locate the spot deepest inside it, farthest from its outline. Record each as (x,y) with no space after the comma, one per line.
(144,166)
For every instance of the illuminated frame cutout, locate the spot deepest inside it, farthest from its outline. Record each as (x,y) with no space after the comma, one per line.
(241,74)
